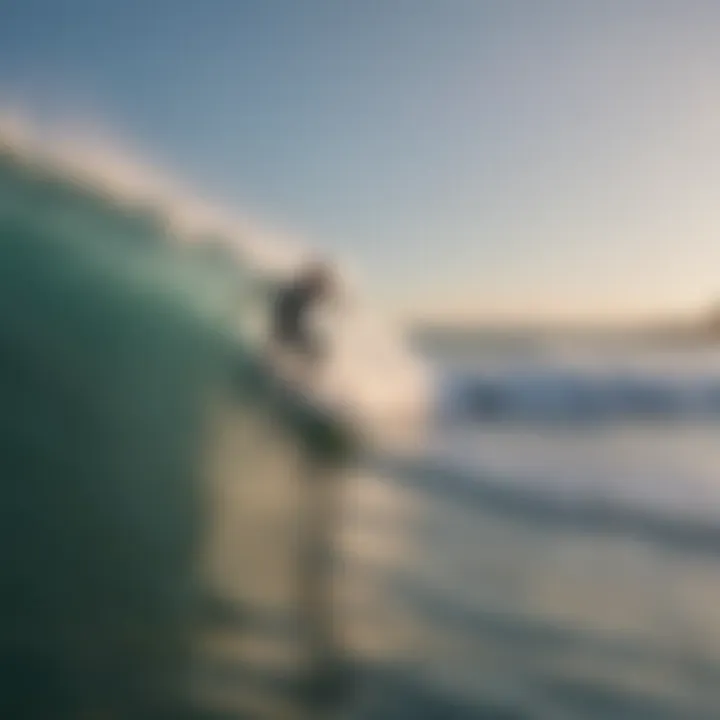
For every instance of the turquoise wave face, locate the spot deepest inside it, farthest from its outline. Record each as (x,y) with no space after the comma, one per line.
(112,342)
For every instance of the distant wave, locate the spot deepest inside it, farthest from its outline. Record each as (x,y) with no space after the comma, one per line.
(545,394)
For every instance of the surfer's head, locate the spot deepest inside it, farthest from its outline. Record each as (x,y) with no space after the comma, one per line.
(319,275)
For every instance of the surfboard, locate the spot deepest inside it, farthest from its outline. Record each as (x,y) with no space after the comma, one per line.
(324,423)
(327,429)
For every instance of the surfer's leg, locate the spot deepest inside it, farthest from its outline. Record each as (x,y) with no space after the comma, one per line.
(315,351)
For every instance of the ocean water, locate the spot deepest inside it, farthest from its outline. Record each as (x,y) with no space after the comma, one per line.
(566,538)
(547,547)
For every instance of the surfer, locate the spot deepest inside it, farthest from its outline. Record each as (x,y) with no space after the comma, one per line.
(294,303)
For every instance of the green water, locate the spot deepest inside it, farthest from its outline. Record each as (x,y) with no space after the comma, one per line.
(111,347)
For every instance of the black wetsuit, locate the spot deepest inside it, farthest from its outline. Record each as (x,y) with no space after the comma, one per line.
(291,310)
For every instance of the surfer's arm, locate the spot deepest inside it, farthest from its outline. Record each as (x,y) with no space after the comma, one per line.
(264,289)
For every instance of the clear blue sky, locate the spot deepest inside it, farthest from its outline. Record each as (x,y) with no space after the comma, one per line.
(476,157)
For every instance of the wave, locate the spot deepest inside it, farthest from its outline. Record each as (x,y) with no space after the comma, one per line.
(90,186)
(545,394)
(121,310)
(558,508)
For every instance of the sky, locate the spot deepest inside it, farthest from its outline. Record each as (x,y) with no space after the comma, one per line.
(477,159)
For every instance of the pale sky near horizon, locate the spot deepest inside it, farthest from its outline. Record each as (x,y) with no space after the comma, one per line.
(477,158)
